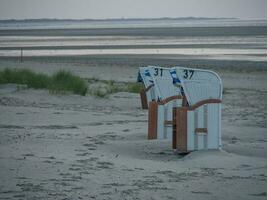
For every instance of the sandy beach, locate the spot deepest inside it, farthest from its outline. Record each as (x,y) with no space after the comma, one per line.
(55,146)
(73,147)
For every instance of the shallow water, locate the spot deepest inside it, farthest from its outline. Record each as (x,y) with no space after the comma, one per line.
(224,39)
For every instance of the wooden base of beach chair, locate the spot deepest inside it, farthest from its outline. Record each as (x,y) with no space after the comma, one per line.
(143,97)
(180,129)
(159,127)
(152,120)
(197,127)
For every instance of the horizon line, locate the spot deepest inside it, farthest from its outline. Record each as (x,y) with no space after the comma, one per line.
(118,19)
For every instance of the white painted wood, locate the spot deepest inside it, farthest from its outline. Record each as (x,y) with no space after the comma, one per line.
(200,117)
(220,125)
(190,131)
(213,126)
(210,140)
(160,124)
(200,144)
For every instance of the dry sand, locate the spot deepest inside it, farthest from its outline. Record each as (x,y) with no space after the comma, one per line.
(74,147)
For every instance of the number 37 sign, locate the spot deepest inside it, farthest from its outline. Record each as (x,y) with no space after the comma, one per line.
(188,74)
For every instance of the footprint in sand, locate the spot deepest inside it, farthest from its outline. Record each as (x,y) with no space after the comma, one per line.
(201,192)
(104,165)
(263,194)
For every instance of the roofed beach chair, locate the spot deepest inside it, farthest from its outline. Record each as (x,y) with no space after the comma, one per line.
(198,125)
(167,96)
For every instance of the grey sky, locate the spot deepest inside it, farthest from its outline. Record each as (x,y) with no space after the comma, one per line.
(99,9)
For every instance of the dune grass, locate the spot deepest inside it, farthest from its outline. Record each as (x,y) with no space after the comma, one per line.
(135,87)
(24,76)
(64,81)
(60,82)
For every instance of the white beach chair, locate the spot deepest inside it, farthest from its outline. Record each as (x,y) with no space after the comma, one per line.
(198,125)
(167,96)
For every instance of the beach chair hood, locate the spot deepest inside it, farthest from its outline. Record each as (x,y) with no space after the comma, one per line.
(199,85)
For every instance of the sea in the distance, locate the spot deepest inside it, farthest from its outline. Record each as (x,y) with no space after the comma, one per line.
(197,38)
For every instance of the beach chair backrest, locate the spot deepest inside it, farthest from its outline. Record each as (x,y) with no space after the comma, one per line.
(163,81)
(146,77)
(165,88)
(148,94)
(199,84)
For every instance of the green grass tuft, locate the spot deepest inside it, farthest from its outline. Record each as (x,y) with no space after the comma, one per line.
(62,81)
(66,81)
(24,76)
(135,87)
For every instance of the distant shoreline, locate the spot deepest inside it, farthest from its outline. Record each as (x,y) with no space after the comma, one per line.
(112,19)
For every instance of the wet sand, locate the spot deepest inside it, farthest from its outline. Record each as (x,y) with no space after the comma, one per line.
(154,31)
(74,147)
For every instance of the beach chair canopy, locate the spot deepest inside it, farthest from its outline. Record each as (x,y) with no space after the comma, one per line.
(163,82)
(199,84)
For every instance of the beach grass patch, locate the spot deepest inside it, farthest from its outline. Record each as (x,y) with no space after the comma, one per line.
(24,76)
(135,87)
(66,81)
(61,82)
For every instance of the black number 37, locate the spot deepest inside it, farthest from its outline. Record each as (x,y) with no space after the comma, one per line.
(188,74)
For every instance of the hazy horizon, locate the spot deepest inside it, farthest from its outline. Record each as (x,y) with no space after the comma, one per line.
(127,9)
(147,18)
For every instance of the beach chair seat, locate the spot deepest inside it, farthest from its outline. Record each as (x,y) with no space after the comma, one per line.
(198,125)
